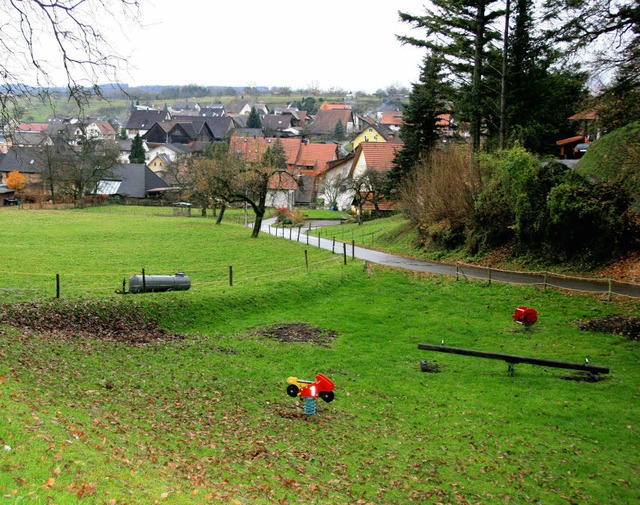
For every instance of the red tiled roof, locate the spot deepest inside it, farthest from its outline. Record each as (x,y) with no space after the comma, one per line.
(379,155)
(589,115)
(335,106)
(326,120)
(570,140)
(391,118)
(443,120)
(252,149)
(32,127)
(105,127)
(283,181)
(316,156)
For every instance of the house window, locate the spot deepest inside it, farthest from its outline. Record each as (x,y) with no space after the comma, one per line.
(370,130)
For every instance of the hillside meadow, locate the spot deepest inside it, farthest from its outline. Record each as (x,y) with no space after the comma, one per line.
(179,397)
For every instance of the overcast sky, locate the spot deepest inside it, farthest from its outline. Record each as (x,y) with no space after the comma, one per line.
(350,44)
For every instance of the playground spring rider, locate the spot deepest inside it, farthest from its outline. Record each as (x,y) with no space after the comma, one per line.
(309,391)
(525,316)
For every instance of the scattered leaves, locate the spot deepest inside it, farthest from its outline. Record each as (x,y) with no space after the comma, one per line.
(99,319)
(618,324)
(299,332)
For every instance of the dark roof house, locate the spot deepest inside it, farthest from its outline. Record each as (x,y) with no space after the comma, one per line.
(325,122)
(131,180)
(141,120)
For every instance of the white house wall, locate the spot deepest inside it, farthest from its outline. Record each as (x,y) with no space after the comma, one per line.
(280,199)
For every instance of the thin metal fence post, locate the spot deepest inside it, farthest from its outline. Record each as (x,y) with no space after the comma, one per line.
(344,253)
(333,245)
(610,287)
(353,249)
(144,282)
(230,275)
(57,285)
(489,269)
(306,259)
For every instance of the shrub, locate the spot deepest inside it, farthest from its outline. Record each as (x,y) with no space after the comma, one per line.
(286,217)
(615,157)
(438,197)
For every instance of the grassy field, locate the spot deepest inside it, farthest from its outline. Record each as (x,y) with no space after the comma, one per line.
(119,107)
(110,409)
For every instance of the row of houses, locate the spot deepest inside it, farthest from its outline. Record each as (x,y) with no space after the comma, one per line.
(170,138)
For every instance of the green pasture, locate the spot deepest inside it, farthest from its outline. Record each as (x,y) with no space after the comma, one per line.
(205,418)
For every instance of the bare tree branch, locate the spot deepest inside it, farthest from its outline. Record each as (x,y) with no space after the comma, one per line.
(53,43)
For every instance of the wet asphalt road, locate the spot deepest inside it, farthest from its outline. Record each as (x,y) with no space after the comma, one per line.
(602,286)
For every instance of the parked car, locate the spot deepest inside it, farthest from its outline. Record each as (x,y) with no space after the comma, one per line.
(579,150)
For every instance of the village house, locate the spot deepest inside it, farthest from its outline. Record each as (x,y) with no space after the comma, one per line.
(140,121)
(304,162)
(131,180)
(325,123)
(28,162)
(377,156)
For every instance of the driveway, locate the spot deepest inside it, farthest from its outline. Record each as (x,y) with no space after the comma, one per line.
(602,286)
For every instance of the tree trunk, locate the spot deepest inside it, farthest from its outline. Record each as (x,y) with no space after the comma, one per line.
(257,224)
(223,207)
(476,119)
(503,87)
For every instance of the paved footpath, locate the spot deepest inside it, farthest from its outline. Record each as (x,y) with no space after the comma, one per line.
(603,286)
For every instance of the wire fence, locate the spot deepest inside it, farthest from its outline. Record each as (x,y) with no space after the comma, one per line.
(36,286)
(336,237)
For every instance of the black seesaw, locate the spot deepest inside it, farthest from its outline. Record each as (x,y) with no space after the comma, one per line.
(512,360)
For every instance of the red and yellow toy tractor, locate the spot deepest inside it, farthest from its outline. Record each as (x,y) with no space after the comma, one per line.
(322,387)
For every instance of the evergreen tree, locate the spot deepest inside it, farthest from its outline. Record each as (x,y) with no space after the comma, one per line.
(338,131)
(419,130)
(538,97)
(137,150)
(254,119)
(274,156)
(459,33)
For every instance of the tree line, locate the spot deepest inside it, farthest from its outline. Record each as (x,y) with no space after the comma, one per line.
(507,71)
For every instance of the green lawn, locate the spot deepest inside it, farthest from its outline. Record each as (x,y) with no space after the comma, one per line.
(206,419)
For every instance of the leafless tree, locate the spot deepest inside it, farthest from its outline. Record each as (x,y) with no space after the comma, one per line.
(50,43)
(78,162)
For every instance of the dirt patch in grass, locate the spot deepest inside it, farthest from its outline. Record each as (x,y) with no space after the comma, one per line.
(617,324)
(101,320)
(298,332)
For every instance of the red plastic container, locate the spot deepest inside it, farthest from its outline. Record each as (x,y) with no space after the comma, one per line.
(525,315)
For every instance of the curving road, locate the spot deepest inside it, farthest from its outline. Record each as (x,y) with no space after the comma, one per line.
(602,286)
